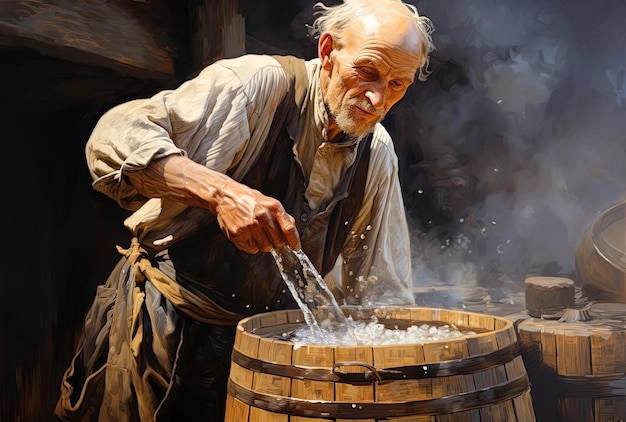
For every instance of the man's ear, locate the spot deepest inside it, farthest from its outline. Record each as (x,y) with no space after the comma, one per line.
(325,47)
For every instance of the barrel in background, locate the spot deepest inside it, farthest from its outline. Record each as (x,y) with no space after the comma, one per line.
(578,369)
(601,256)
(479,377)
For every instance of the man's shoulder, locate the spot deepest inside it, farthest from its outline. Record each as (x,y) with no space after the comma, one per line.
(248,63)
(242,68)
(255,62)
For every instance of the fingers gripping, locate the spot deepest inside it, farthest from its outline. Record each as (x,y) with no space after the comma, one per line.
(258,223)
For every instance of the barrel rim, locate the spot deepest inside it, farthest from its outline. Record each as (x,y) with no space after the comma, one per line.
(505,323)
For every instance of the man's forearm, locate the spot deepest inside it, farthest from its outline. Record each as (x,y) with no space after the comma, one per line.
(252,221)
(180,179)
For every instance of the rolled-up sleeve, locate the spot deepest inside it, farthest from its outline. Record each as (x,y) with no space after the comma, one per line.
(128,136)
(218,119)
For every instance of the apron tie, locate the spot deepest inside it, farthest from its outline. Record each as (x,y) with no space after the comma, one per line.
(194,304)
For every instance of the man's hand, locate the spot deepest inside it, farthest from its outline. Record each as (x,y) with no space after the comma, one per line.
(252,221)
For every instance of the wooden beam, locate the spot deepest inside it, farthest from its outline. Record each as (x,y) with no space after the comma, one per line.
(126,36)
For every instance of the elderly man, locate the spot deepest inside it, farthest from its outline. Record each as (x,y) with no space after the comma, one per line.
(255,153)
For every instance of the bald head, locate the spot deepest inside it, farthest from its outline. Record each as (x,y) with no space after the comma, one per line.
(389,30)
(397,22)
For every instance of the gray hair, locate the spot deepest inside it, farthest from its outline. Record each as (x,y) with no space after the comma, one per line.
(334,19)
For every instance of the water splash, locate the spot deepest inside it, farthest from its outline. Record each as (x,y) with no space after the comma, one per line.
(321,310)
(374,332)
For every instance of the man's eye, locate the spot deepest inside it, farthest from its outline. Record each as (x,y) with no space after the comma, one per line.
(367,73)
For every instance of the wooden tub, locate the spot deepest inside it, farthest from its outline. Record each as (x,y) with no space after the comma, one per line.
(480,377)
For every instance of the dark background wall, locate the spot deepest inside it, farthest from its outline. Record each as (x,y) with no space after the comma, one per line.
(60,235)
(507,152)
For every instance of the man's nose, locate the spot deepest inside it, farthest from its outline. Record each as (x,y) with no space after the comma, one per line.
(375,93)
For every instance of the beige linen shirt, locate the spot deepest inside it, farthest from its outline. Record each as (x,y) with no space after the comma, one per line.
(221,119)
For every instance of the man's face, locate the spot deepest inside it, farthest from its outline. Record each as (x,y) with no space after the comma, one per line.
(370,72)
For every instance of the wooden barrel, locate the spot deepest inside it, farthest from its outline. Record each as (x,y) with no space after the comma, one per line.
(577,369)
(479,377)
(601,256)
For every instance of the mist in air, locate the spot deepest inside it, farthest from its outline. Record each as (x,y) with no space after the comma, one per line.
(518,139)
